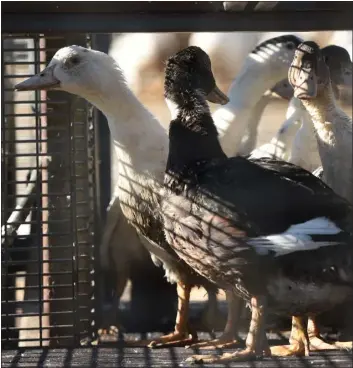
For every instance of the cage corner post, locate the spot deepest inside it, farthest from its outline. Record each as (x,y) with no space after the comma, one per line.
(102,189)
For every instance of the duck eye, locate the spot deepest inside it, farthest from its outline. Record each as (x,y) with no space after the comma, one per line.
(75,60)
(307,65)
(290,45)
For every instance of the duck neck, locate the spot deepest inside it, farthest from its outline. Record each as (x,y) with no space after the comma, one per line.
(193,137)
(139,140)
(333,130)
(254,79)
(322,111)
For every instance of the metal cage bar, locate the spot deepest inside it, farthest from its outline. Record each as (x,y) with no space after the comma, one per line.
(178,16)
(48,167)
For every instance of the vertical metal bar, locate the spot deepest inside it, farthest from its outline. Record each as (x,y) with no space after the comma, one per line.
(4,212)
(102,167)
(75,246)
(72,206)
(94,266)
(38,194)
(45,214)
(94,224)
(101,42)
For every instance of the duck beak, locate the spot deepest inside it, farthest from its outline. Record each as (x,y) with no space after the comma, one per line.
(42,80)
(217,96)
(304,81)
(306,85)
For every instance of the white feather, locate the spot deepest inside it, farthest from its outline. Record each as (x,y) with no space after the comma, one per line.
(280,146)
(316,226)
(296,238)
(173,108)
(259,73)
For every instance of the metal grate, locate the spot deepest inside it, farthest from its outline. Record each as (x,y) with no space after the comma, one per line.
(48,206)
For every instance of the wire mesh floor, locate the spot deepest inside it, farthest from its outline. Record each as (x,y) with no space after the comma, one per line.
(145,357)
(115,356)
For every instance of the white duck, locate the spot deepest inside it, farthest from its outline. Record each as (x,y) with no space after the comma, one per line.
(310,77)
(332,125)
(297,130)
(228,50)
(141,144)
(304,151)
(248,141)
(287,145)
(279,146)
(344,39)
(321,37)
(266,65)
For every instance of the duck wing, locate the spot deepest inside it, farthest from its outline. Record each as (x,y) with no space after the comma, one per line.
(269,195)
(240,213)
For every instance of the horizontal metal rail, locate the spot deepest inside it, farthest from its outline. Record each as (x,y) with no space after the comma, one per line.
(177,22)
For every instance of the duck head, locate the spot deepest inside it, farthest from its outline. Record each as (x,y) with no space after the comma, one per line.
(308,74)
(74,69)
(283,89)
(274,54)
(190,70)
(339,62)
(340,66)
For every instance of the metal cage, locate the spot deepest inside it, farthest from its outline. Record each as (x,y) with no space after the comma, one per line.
(48,203)
(52,171)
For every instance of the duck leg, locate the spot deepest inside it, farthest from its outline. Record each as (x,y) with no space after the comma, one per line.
(256,341)
(180,336)
(111,334)
(299,341)
(317,343)
(212,317)
(228,339)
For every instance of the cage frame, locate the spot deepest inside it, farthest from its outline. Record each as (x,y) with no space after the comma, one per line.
(178,16)
(70,17)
